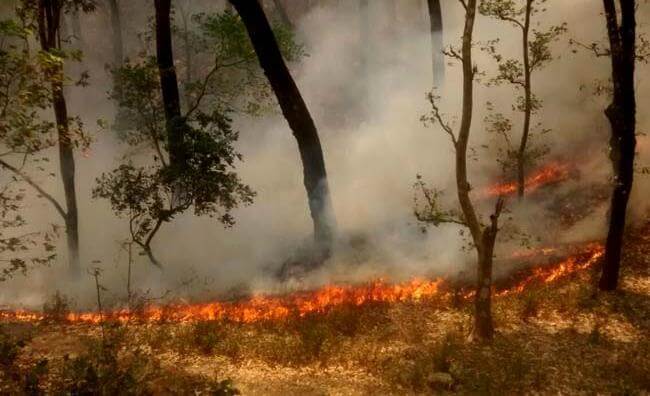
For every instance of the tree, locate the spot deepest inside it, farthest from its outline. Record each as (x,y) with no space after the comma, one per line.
(49,19)
(45,17)
(116,38)
(621,114)
(438,58)
(483,237)
(23,136)
(535,55)
(176,126)
(297,114)
(191,150)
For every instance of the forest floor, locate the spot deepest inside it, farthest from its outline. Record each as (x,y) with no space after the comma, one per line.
(557,338)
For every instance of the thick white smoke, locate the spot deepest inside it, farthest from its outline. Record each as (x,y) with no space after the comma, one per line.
(374,142)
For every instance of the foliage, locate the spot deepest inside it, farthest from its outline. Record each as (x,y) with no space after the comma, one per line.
(56,309)
(147,194)
(103,371)
(9,349)
(517,73)
(26,80)
(235,80)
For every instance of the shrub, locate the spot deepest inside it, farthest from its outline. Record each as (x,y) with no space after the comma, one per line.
(56,309)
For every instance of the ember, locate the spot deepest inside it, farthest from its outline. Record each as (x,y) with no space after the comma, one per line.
(276,308)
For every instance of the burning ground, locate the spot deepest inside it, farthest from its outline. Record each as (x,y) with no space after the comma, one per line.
(554,336)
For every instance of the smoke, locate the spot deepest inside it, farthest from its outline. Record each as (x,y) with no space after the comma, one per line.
(368,116)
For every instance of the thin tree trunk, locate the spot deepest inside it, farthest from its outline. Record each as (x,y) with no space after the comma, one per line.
(185,15)
(622,117)
(76,28)
(169,82)
(118,44)
(483,238)
(528,105)
(49,19)
(297,114)
(438,58)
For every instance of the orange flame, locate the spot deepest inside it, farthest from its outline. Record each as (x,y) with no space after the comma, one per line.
(551,173)
(277,308)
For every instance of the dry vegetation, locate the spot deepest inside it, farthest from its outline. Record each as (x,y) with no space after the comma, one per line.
(556,338)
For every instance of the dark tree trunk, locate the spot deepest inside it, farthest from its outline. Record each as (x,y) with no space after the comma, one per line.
(118,44)
(49,19)
(438,58)
(622,117)
(297,115)
(169,83)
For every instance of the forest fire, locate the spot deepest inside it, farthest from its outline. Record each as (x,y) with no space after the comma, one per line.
(551,173)
(277,308)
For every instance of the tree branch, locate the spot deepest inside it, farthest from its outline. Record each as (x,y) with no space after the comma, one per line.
(35,185)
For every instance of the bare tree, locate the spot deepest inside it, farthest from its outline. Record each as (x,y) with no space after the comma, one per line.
(622,117)
(297,114)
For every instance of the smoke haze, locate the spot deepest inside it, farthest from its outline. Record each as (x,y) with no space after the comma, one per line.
(374,143)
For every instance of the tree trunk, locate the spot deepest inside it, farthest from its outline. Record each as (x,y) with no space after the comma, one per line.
(528,105)
(118,44)
(49,19)
(297,114)
(438,58)
(169,83)
(76,28)
(483,238)
(483,326)
(621,114)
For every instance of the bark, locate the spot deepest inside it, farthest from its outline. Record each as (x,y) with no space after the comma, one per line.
(118,44)
(621,114)
(185,16)
(528,104)
(76,27)
(297,114)
(49,18)
(483,237)
(169,82)
(438,58)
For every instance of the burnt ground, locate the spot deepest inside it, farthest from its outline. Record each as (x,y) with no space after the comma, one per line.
(554,338)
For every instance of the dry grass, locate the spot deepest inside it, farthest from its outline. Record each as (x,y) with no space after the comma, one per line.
(559,338)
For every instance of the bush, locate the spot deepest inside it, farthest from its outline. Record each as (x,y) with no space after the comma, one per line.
(530,305)
(103,370)
(56,310)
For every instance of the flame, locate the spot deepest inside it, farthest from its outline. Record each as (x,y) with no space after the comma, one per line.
(263,308)
(551,173)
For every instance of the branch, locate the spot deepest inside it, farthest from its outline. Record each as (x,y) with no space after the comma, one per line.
(593,48)
(203,91)
(436,116)
(35,185)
